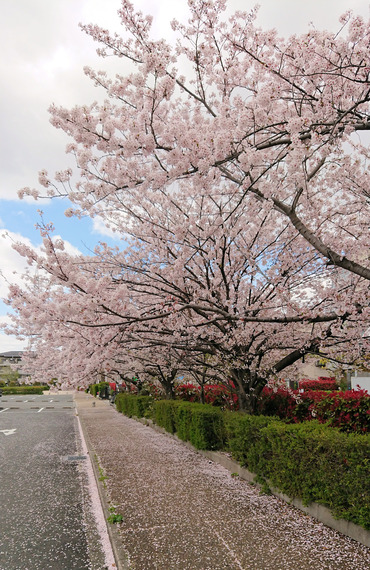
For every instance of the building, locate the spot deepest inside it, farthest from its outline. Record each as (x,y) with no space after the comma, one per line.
(10,365)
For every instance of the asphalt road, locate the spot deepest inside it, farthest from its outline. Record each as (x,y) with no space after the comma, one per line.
(45,511)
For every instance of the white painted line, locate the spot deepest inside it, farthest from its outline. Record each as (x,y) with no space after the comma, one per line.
(40,410)
(4,410)
(51,400)
(8,431)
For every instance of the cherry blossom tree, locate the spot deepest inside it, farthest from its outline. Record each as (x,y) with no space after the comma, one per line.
(250,296)
(241,190)
(256,115)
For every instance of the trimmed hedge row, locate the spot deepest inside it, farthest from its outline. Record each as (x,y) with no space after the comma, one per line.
(321,383)
(23,390)
(134,406)
(201,424)
(95,388)
(310,460)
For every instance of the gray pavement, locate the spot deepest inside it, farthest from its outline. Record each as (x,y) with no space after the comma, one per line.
(182,511)
(45,511)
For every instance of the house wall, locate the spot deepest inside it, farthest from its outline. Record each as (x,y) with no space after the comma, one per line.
(361,380)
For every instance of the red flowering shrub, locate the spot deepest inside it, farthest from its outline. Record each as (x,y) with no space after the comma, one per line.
(279,402)
(321,384)
(349,411)
(220,395)
(214,394)
(188,392)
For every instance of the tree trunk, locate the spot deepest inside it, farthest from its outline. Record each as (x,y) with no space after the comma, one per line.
(202,397)
(248,386)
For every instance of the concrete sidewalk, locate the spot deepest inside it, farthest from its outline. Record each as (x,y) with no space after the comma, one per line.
(183,512)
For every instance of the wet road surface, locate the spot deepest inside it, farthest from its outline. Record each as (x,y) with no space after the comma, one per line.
(45,518)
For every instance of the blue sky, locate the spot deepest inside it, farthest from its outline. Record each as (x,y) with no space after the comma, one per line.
(22,218)
(43,55)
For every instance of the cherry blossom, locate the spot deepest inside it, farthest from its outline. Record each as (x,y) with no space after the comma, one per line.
(233,166)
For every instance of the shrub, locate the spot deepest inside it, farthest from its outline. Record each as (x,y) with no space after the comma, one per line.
(349,410)
(214,394)
(312,461)
(316,463)
(164,414)
(279,402)
(243,431)
(320,384)
(23,390)
(134,406)
(201,424)
(151,389)
(94,389)
(187,392)
(220,395)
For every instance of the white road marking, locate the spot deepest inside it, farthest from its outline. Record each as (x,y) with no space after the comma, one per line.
(8,431)
(40,410)
(4,410)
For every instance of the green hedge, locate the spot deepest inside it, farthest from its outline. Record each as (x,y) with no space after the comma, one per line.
(311,461)
(201,424)
(134,406)
(94,389)
(165,413)
(23,390)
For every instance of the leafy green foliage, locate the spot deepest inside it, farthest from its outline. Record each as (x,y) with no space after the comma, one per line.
(134,406)
(312,461)
(94,389)
(164,414)
(23,390)
(201,424)
(114,518)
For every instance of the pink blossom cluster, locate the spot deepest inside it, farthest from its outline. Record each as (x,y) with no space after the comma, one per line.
(241,190)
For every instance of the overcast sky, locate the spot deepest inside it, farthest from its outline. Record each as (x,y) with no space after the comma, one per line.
(43,55)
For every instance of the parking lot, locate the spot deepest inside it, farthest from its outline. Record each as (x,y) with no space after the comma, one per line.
(45,507)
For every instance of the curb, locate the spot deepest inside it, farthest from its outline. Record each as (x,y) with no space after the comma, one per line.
(119,553)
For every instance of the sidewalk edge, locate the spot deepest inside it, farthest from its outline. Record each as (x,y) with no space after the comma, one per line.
(119,553)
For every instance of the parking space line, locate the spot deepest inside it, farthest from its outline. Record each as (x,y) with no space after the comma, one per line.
(4,410)
(40,410)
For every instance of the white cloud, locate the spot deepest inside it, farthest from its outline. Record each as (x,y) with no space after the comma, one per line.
(44,51)
(13,265)
(68,247)
(9,342)
(100,228)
